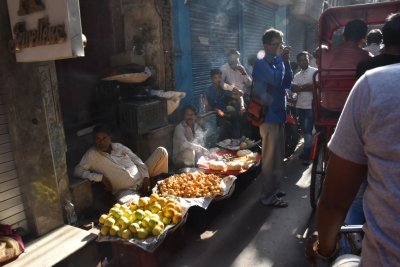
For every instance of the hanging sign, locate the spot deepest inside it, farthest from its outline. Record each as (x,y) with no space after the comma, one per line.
(45,30)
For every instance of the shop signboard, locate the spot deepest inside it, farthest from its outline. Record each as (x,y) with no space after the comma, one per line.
(45,30)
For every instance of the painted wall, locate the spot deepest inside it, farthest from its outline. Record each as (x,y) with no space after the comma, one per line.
(36,130)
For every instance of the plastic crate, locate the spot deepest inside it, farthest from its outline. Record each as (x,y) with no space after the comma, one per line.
(139,117)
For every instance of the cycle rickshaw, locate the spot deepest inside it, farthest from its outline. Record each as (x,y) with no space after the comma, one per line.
(336,83)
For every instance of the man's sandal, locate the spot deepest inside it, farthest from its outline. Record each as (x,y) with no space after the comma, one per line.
(276,203)
(280,194)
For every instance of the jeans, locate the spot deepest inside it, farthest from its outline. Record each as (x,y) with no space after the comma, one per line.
(355,214)
(306,120)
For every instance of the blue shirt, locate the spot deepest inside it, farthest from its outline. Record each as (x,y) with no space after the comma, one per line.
(271,76)
(217,101)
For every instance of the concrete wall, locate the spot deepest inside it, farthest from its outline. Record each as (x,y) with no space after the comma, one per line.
(36,130)
(148,24)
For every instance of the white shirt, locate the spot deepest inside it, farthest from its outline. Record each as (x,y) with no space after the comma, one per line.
(368,133)
(124,169)
(185,142)
(304,99)
(374,49)
(235,78)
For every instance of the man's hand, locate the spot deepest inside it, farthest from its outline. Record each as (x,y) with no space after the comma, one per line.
(241,69)
(286,53)
(200,148)
(310,255)
(237,93)
(219,112)
(146,185)
(107,184)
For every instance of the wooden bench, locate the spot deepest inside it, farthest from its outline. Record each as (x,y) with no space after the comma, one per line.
(53,247)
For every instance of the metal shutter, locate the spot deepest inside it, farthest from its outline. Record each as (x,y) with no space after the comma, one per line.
(257,17)
(214,31)
(12,210)
(297,32)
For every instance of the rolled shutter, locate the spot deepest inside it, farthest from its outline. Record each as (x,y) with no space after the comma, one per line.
(214,31)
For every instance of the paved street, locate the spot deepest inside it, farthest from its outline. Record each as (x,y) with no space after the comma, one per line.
(245,233)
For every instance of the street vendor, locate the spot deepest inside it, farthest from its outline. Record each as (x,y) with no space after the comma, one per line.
(188,139)
(118,168)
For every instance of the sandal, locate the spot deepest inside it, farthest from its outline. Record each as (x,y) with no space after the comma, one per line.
(280,194)
(275,203)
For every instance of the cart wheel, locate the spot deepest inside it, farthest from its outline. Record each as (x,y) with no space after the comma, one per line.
(317,174)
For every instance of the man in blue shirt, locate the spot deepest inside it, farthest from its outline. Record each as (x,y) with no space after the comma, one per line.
(227,105)
(272,74)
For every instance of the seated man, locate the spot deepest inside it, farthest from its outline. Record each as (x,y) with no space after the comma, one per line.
(233,73)
(118,168)
(228,111)
(344,57)
(188,139)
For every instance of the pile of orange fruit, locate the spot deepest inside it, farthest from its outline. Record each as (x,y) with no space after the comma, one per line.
(190,185)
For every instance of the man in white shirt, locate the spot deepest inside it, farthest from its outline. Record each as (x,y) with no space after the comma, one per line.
(118,168)
(234,74)
(303,85)
(365,144)
(188,139)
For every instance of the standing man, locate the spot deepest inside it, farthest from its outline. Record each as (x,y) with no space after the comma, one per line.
(188,139)
(365,144)
(271,76)
(303,85)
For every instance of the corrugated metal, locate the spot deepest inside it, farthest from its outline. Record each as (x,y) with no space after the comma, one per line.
(297,33)
(257,17)
(214,31)
(12,209)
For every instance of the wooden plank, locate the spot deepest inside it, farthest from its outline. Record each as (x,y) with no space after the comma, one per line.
(10,194)
(7,166)
(4,138)
(11,211)
(4,148)
(53,247)
(3,119)
(6,176)
(14,219)
(6,204)
(9,185)
(3,128)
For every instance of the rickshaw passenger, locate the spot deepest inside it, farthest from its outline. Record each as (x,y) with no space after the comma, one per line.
(345,56)
(391,51)
(374,42)
(391,55)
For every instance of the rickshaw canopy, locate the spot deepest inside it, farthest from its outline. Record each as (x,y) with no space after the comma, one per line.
(337,17)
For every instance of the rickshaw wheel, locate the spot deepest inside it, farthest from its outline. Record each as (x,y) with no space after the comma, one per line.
(317,174)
